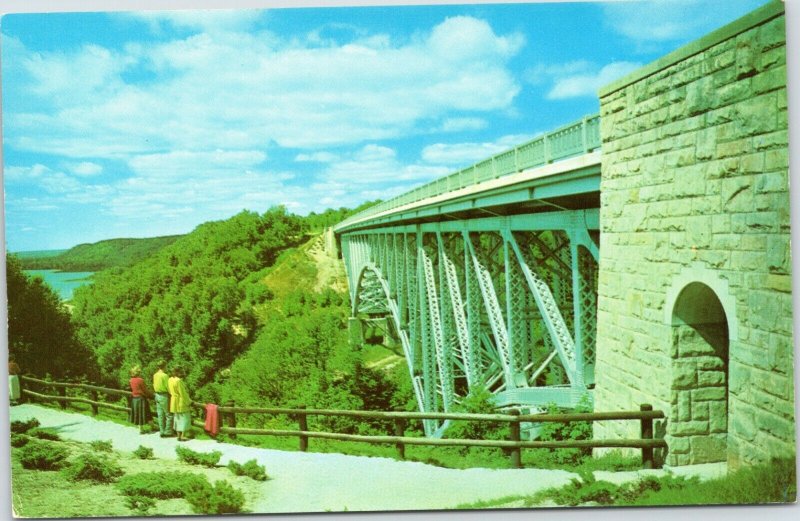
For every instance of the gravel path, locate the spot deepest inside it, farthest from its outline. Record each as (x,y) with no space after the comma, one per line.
(316,482)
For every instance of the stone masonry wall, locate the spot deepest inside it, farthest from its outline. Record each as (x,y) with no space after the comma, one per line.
(695,181)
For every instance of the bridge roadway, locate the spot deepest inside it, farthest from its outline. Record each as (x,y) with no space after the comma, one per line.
(487,277)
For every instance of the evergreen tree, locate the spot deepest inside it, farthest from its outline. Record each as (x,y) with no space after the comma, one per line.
(41,338)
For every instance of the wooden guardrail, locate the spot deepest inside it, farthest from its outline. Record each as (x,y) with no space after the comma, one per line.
(228,412)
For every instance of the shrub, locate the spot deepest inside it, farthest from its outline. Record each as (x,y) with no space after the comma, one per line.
(21,427)
(18,440)
(250,469)
(159,485)
(43,456)
(93,467)
(140,504)
(206,459)
(101,445)
(44,434)
(147,428)
(478,401)
(556,431)
(222,498)
(143,452)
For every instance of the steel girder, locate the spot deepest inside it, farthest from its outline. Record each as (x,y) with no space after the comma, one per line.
(488,303)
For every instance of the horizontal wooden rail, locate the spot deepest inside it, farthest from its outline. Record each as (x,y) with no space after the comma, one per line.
(562,444)
(87,387)
(397,423)
(70,399)
(381,415)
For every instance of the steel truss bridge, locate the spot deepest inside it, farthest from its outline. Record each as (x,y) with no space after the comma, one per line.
(487,277)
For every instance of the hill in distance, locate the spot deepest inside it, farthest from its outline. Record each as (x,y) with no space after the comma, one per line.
(96,256)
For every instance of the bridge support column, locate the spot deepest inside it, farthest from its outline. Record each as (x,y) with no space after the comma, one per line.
(355,331)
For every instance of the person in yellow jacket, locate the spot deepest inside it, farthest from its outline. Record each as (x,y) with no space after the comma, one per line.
(161,390)
(180,403)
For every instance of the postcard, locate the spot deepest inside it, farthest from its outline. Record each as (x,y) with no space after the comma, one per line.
(398,258)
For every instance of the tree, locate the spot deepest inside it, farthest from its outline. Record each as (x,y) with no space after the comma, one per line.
(40,336)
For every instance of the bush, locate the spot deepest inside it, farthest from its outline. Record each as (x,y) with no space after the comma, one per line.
(556,431)
(250,469)
(222,498)
(18,440)
(43,456)
(102,445)
(478,401)
(21,427)
(143,452)
(140,504)
(93,467)
(44,434)
(206,459)
(160,485)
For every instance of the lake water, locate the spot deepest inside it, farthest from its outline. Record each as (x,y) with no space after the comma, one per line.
(64,282)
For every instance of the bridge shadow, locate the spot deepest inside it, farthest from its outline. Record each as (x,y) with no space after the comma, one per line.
(659,432)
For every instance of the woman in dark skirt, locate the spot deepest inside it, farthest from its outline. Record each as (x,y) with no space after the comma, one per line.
(140,413)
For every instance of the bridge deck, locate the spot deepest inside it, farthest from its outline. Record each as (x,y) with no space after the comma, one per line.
(559,169)
(571,184)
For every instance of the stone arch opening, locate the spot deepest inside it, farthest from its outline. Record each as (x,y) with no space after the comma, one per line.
(700,353)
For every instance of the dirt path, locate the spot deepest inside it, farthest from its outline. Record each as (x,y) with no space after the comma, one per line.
(330,271)
(314,482)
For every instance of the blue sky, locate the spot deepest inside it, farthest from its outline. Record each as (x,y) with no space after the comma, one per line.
(149,123)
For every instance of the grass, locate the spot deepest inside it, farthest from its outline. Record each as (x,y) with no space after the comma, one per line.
(773,482)
(38,494)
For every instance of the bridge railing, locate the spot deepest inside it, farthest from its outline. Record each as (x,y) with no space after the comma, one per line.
(227,420)
(571,140)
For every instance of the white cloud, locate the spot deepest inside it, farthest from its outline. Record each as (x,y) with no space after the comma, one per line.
(588,84)
(232,90)
(85,169)
(463,154)
(200,20)
(317,157)
(670,20)
(462,124)
(25,173)
(541,73)
(185,165)
(374,164)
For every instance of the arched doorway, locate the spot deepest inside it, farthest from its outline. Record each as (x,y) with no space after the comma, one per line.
(699,393)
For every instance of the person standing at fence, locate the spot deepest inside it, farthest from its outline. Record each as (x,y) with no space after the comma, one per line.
(161,390)
(14,392)
(182,403)
(140,393)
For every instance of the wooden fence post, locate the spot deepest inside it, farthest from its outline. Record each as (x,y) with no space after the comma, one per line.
(63,393)
(231,418)
(516,452)
(22,398)
(302,422)
(647,434)
(399,431)
(93,395)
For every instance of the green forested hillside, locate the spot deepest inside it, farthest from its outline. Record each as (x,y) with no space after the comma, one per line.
(240,305)
(40,336)
(191,303)
(99,255)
